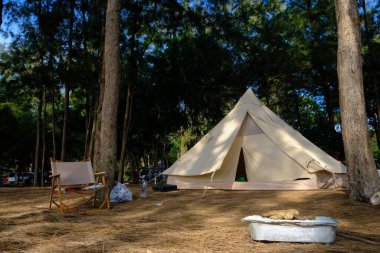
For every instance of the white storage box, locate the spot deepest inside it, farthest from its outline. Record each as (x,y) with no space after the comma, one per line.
(320,230)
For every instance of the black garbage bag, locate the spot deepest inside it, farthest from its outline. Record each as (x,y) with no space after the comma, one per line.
(164,187)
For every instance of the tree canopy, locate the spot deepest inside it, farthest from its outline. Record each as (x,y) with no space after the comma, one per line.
(183,63)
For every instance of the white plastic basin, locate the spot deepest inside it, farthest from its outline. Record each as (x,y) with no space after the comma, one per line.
(320,230)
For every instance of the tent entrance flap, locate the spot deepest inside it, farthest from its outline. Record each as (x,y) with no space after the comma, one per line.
(241,174)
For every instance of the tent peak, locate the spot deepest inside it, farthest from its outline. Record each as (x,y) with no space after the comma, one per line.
(249,98)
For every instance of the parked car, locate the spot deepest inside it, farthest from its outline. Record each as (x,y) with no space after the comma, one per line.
(13,177)
(24,178)
(28,178)
(4,180)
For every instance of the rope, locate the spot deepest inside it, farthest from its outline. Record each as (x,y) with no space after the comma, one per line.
(357,238)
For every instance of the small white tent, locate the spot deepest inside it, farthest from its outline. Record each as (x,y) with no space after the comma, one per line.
(253,143)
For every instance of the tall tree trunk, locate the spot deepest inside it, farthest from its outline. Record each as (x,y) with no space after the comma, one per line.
(155,154)
(133,74)
(40,94)
(88,128)
(53,122)
(65,119)
(134,173)
(69,83)
(108,130)
(329,103)
(164,149)
(89,105)
(363,178)
(296,99)
(43,140)
(95,143)
(94,149)
(52,94)
(127,120)
(38,137)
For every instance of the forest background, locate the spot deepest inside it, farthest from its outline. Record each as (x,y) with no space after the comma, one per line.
(184,64)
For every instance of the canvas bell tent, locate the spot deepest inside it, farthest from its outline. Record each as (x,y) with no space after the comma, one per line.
(254,149)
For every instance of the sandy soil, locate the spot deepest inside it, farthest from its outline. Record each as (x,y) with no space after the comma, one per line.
(183,223)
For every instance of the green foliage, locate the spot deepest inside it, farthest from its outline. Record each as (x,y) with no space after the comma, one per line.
(187,63)
(175,148)
(375,147)
(16,135)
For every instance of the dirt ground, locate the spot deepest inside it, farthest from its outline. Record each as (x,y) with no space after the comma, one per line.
(178,221)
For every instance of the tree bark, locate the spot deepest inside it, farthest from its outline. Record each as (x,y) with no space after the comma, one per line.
(38,137)
(134,173)
(329,103)
(88,127)
(363,178)
(95,143)
(52,93)
(133,74)
(43,140)
(39,110)
(164,150)
(65,119)
(108,130)
(89,104)
(94,149)
(127,120)
(53,121)
(69,83)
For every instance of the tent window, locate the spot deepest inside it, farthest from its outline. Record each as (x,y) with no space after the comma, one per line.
(241,174)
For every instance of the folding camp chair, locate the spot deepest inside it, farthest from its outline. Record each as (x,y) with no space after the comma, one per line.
(74,186)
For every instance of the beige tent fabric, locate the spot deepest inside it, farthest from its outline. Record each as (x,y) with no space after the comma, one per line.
(249,127)
(327,180)
(248,99)
(232,158)
(208,154)
(295,145)
(274,154)
(264,161)
(184,183)
(74,173)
